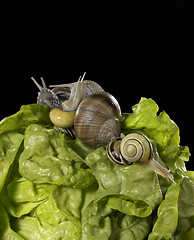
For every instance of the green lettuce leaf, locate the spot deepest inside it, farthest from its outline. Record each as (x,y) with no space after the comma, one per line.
(176,212)
(160,128)
(6,233)
(28,114)
(102,222)
(27,228)
(96,222)
(21,196)
(188,235)
(186,206)
(48,223)
(129,227)
(73,202)
(47,158)
(186,198)
(166,222)
(69,201)
(53,187)
(81,149)
(124,186)
(52,223)
(9,146)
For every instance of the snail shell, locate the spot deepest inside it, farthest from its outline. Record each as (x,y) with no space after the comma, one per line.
(113,151)
(97,119)
(134,147)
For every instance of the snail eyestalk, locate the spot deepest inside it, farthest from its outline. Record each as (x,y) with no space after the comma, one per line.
(159,169)
(78,93)
(83,77)
(37,84)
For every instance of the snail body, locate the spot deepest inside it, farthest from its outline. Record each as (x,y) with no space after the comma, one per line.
(62,119)
(97,119)
(66,96)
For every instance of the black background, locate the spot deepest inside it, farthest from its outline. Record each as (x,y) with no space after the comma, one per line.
(132,53)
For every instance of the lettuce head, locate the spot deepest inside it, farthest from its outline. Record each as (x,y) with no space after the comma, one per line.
(55,187)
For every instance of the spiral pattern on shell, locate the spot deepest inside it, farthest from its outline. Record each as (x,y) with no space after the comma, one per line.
(97,119)
(135,147)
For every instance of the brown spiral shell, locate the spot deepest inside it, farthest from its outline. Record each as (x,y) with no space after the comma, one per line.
(97,119)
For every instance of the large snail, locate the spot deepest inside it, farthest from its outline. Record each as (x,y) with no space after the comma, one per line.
(94,113)
(135,148)
(66,96)
(97,119)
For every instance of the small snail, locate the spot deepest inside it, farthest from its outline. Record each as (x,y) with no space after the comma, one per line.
(94,113)
(135,148)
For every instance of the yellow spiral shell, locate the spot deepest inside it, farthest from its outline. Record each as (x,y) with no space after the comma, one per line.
(134,147)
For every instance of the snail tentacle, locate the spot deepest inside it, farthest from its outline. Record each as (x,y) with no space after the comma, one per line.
(37,84)
(159,169)
(46,96)
(78,93)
